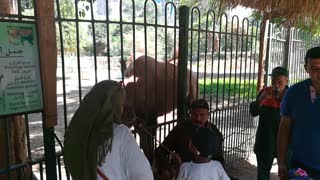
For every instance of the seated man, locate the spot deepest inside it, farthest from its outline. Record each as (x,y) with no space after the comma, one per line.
(178,139)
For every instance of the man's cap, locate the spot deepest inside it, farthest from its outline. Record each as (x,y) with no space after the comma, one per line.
(200,103)
(279,71)
(206,141)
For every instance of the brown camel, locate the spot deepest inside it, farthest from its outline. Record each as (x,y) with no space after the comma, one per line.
(154,93)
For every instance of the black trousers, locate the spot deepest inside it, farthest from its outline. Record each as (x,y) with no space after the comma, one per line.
(264,166)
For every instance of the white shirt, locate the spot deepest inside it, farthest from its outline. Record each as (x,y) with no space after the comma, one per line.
(126,161)
(212,170)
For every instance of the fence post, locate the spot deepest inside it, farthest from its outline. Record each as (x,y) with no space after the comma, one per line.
(262,50)
(287,49)
(48,62)
(183,62)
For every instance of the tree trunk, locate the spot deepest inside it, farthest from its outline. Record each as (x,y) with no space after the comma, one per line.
(7,7)
(262,50)
(16,132)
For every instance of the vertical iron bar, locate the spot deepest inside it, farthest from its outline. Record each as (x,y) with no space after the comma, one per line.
(198,55)
(121,39)
(232,120)
(134,51)
(212,62)
(94,42)
(166,63)
(205,55)
(174,62)
(65,113)
(156,74)
(108,38)
(49,151)
(191,46)
(182,62)
(236,103)
(41,170)
(78,49)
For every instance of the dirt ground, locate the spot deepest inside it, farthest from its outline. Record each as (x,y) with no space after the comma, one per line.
(243,170)
(247,169)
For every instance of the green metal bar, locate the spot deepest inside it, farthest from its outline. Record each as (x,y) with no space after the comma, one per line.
(182,63)
(49,151)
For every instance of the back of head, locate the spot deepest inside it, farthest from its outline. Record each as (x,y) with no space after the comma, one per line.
(206,141)
(89,135)
(313,53)
(200,103)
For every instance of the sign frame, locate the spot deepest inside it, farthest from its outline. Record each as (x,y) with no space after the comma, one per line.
(30,91)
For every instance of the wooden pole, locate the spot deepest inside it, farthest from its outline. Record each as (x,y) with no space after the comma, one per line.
(48,62)
(48,58)
(7,7)
(262,50)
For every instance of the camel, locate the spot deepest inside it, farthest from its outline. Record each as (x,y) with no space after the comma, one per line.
(154,93)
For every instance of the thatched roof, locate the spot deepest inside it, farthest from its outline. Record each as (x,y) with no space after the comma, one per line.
(302,11)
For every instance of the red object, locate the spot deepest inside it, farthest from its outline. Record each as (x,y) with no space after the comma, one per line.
(104,177)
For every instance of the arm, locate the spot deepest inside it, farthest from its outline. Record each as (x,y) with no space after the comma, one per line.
(254,106)
(283,141)
(162,155)
(218,152)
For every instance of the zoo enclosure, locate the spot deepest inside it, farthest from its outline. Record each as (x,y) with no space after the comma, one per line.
(226,76)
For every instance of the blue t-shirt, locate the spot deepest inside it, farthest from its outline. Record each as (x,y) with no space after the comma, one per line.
(304,109)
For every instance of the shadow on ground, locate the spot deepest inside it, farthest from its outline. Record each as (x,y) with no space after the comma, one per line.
(243,170)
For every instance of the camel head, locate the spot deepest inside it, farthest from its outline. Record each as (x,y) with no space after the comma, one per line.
(127,66)
(128,115)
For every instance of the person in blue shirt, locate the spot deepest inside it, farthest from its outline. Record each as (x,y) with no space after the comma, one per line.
(300,121)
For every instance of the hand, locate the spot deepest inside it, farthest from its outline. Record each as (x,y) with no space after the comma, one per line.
(165,175)
(267,93)
(177,158)
(282,171)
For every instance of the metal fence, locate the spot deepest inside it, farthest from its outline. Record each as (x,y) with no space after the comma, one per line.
(94,37)
(287,47)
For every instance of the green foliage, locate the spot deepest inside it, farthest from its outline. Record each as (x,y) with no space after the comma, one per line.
(217,6)
(257,15)
(67,9)
(115,34)
(69,33)
(237,87)
(310,25)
